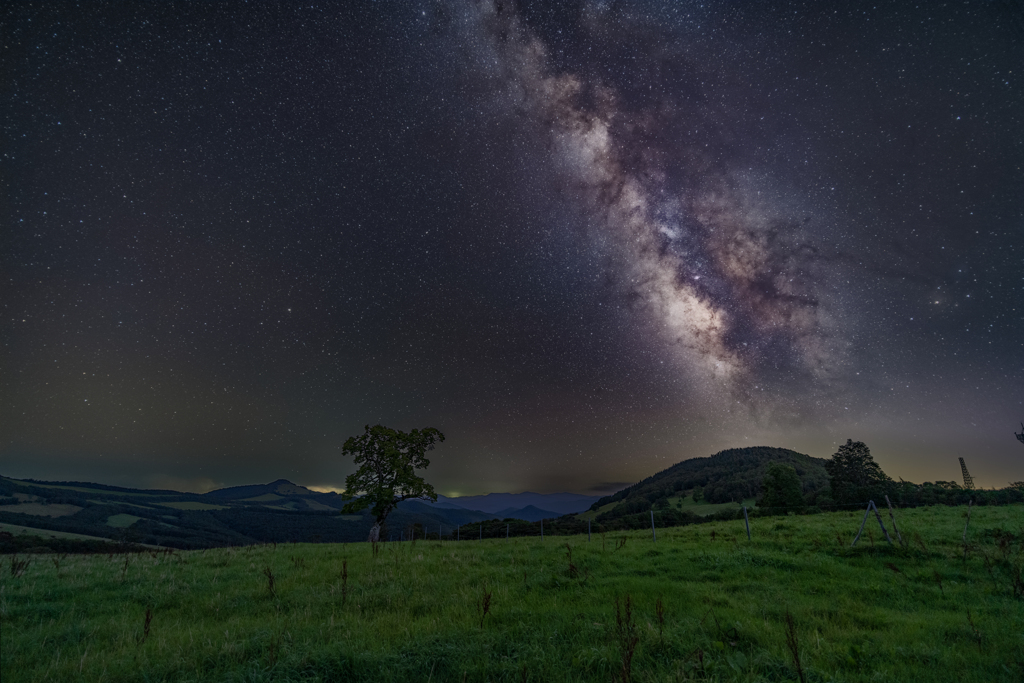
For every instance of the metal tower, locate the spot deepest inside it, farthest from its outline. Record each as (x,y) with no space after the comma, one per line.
(968,482)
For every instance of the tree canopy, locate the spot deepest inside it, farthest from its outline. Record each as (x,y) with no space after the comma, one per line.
(387,461)
(780,489)
(854,476)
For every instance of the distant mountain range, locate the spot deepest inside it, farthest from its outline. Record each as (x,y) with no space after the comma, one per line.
(280,511)
(528,506)
(83,516)
(506,503)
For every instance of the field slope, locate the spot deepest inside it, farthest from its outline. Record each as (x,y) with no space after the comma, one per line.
(416,611)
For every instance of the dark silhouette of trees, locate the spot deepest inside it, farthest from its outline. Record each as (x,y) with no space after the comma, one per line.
(387,461)
(854,476)
(781,489)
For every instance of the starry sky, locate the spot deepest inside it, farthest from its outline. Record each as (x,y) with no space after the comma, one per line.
(586,240)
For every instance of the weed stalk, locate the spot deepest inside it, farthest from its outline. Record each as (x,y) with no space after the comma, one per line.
(794,646)
(625,630)
(270,581)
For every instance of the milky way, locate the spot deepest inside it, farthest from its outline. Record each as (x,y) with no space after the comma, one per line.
(722,279)
(586,240)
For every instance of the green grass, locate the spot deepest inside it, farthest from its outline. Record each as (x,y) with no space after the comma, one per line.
(591,514)
(122,521)
(134,505)
(413,612)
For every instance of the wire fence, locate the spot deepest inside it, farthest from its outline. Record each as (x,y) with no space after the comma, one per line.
(572,525)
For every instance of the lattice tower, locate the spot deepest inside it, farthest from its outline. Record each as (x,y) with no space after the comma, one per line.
(968,482)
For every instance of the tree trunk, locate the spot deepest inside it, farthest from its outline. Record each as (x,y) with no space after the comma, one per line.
(374,533)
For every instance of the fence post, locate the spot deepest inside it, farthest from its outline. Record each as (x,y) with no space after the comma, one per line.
(746,521)
(969,504)
(899,536)
(542,528)
(458,533)
(879,516)
(654,534)
(588,531)
(506,531)
(862,523)
(481,532)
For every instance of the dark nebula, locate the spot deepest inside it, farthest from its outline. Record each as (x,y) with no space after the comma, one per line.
(584,240)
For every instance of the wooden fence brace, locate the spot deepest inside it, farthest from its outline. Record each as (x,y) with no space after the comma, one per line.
(746,521)
(879,516)
(862,523)
(654,534)
(895,528)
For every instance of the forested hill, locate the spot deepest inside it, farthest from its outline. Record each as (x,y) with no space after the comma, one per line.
(732,475)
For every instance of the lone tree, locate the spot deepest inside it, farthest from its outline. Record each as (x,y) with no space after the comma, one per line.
(781,488)
(387,461)
(854,475)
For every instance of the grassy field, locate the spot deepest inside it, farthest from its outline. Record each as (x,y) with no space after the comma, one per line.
(702,603)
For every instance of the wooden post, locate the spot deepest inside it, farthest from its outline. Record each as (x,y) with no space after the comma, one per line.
(542,528)
(863,521)
(879,516)
(899,536)
(458,533)
(654,534)
(746,521)
(481,532)
(969,504)
(506,531)
(588,531)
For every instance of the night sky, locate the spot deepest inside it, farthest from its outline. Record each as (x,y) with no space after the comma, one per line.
(584,240)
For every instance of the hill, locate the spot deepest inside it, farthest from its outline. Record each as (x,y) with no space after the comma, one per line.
(730,476)
(281,487)
(278,512)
